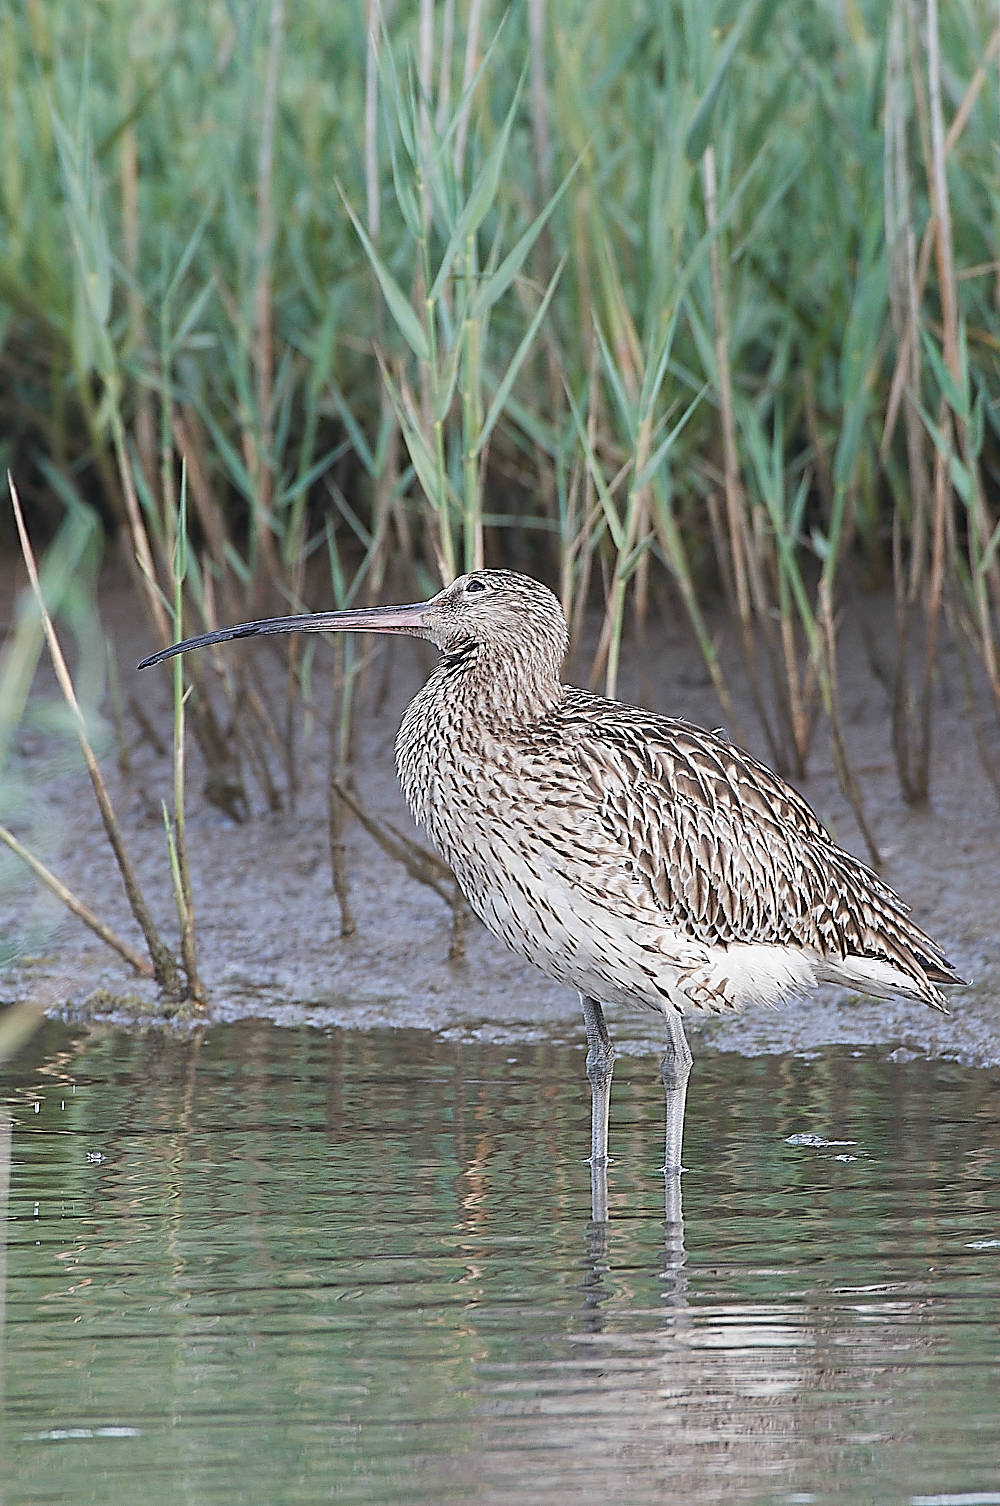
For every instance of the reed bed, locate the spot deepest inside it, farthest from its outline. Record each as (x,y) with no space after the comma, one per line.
(701,299)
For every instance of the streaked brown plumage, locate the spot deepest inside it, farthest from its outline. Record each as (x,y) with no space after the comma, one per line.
(635,856)
(688,844)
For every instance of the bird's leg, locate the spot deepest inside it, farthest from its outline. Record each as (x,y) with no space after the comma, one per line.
(675,1069)
(600,1066)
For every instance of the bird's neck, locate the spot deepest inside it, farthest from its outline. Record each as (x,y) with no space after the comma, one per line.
(496,691)
(473,708)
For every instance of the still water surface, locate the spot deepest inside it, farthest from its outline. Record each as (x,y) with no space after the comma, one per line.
(268,1266)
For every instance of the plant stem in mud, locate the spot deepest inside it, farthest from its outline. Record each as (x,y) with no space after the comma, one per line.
(178,855)
(340,742)
(164,963)
(76,906)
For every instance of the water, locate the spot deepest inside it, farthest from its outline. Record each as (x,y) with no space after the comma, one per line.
(274,1266)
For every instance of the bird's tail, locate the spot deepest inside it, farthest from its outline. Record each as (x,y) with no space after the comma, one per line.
(886,979)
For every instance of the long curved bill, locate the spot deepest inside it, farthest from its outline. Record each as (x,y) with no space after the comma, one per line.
(407,619)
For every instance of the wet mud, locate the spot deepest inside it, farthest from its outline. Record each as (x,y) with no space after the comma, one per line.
(268,923)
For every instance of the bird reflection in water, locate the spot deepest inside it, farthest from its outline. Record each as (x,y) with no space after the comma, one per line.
(598,1235)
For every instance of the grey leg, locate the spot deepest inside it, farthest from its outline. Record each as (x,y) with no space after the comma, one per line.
(675,1069)
(600,1066)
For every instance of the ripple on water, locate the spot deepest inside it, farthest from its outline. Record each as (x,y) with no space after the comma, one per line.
(289,1266)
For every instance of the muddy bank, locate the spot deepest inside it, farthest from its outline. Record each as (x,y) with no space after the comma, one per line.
(269,925)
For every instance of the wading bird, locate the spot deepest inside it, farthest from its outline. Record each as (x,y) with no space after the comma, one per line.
(636,857)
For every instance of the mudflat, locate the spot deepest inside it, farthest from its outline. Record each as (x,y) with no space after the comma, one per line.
(268,922)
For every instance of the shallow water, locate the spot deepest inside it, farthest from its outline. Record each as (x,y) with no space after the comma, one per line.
(273,1266)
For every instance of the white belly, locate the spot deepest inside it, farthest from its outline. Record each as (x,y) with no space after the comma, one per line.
(611,954)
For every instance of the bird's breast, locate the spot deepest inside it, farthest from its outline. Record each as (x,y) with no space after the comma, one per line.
(524,838)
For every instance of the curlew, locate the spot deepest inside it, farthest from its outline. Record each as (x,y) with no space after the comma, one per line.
(636,857)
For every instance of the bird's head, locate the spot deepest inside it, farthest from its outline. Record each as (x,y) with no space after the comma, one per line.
(512,618)
(499,611)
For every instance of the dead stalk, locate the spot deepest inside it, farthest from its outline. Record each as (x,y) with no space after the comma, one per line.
(911,750)
(459,924)
(468,72)
(539,106)
(143,426)
(137,528)
(747,580)
(372,194)
(961,632)
(76,906)
(942,208)
(910,339)
(263,319)
(444,70)
(185,902)
(735,502)
(117,711)
(385,497)
(935,592)
(164,963)
(842,764)
(426,867)
(337,806)
(985,581)
(425,68)
(591,506)
(146,727)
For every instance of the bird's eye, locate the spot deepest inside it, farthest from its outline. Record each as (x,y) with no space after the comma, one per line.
(475,585)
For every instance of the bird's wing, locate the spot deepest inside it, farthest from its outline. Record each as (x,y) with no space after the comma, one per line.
(725,848)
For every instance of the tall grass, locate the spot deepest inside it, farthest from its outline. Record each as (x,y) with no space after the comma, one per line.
(698,293)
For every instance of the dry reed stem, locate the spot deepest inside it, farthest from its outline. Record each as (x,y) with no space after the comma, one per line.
(735,501)
(845,772)
(426,867)
(899,377)
(459,924)
(977,523)
(76,906)
(143,424)
(372,194)
(743,560)
(468,73)
(189,445)
(257,726)
(117,711)
(425,70)
(591,507)
(539,105)
(935,593)
(263,315)
(146,727)
(637,535)
(137,528)
(385,499)
(673,552)
(185,903)
(338,864)
(947,286)
(910,753)
(570,541)
(164,963)
(337,807)
(444,70)
(961,630)
(225,786)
